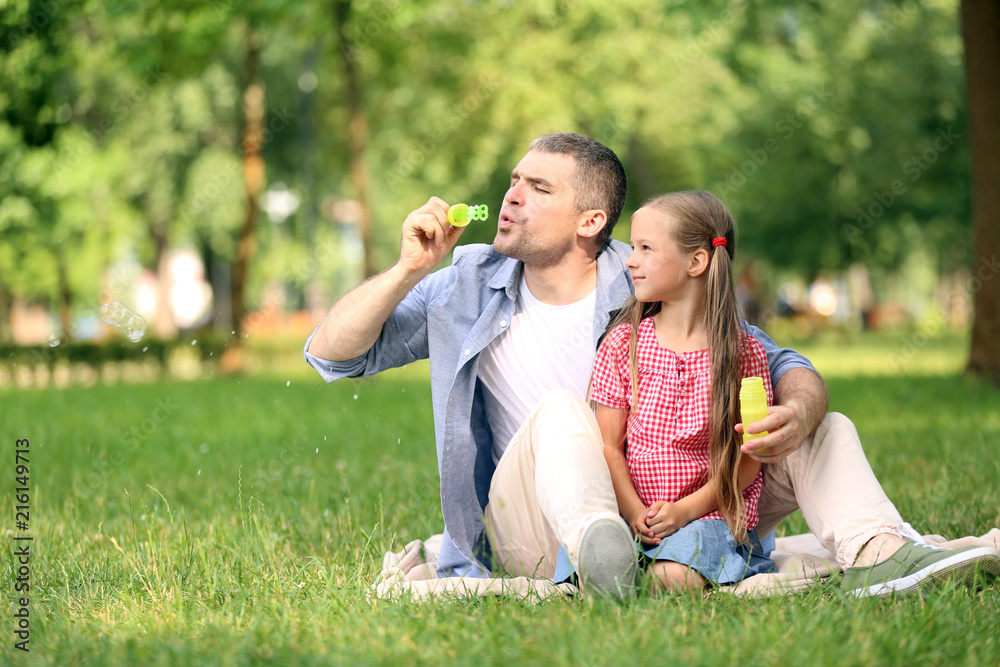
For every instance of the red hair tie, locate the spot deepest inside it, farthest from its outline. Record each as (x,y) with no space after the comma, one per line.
(720,240)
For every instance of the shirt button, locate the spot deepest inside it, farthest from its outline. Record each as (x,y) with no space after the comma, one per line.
(503,323)
(468,352)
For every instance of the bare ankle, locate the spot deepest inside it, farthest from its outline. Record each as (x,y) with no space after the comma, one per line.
(878,548)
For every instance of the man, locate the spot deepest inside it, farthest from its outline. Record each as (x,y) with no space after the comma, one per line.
(511,331)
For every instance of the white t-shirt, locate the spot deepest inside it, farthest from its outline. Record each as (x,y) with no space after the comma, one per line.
(545,347)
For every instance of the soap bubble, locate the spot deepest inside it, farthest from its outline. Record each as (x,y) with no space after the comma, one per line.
(54,340)
(118,315)
(104,313)
(114,313)
(134,327)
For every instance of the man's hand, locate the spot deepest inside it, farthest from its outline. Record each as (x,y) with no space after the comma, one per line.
(427,237)
(801,400)
(785,433)
(354,323)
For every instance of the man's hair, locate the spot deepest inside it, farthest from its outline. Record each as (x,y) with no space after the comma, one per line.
(600,179)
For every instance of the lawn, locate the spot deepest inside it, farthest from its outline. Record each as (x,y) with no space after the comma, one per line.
(240,521)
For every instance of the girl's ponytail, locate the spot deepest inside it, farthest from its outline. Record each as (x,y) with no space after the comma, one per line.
(724,341)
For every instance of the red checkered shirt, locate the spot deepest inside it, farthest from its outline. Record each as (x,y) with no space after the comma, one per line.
(668,435)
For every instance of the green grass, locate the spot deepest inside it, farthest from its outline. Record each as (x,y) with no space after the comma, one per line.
(216,533)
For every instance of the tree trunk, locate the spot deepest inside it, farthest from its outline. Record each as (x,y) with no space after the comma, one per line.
(163,321)
(65,301)
(357,128)
(6,303)
(253,176)
(981,29)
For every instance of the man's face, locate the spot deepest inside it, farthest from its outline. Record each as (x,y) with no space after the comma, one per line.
(539,220)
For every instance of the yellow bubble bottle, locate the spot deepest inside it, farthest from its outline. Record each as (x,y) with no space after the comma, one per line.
(753,405)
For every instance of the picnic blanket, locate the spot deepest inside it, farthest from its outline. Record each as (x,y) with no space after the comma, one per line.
(801,562)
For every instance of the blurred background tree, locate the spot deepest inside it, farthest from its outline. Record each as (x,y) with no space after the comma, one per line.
(981,27)
(236,165)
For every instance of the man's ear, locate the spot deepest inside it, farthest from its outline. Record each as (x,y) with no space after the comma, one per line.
(699,263)
(591,223)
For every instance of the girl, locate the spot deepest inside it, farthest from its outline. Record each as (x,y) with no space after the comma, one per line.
(666,392)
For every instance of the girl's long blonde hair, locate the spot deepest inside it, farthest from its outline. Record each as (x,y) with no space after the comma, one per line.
(696,218)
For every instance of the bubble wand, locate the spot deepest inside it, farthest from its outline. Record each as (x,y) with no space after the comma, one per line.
(461,215)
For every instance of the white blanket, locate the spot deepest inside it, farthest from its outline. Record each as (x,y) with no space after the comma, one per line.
(801,561)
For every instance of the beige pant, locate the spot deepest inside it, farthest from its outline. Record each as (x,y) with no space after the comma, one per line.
(830,480)
(552,481)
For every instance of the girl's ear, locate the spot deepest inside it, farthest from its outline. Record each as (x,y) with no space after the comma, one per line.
(699,263)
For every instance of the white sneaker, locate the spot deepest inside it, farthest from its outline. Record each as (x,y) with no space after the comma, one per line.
(608,561)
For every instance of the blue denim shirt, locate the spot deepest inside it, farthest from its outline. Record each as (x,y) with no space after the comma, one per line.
(450,317)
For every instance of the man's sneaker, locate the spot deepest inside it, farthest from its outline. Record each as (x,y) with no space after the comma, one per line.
(920,566)
(608,559)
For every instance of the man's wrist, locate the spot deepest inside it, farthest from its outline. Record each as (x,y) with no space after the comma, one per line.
(406,278)
(808,419)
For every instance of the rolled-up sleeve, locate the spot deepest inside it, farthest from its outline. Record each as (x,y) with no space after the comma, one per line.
(403,338)
(780,360)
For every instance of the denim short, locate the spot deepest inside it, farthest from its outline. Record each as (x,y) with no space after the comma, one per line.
(707,546)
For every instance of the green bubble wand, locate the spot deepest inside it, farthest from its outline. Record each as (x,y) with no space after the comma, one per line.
(461,215)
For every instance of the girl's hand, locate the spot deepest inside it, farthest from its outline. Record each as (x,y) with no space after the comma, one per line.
(664,519)
(639,527)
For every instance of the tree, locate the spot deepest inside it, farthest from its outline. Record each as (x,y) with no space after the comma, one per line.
(253,174)
(851,146)
(357,128)
(981,28)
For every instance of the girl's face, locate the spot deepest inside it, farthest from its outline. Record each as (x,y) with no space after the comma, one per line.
(660,268)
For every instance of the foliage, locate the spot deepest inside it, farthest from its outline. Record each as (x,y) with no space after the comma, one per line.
(97,355)
(836,133)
